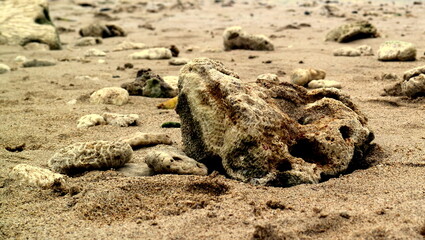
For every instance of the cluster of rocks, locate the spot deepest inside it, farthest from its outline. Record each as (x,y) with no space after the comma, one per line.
(115,119)
(313,78)
(412,85)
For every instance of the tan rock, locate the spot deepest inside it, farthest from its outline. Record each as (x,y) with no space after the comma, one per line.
(36,176)
(90,120)
(152,54)
(111,95)
(169,162)
(235,38)
(121,120)
(141,139)
(397,51)
(324,84)
(302,77)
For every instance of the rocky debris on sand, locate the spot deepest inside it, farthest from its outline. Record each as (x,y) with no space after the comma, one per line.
(331,11)
(352,31)
(169,104)
(235,38)
(94,53)
(268,133)
(35,46)
(302,76)
(140,139)
(171,162)
(269,77)
(149,84)
(90,120)
(4,68)
(84,156)
(397,51)
(413,84)
(36,176)
(393,90)
(38,63)
(121,120)
(363,50)
(88,41)
(178,61)
(387,77)
(25,21)
(126,45)
(324,84)
(110,95)
(172,81)
(20,59)
(17,147)
(136,170)
(152,54)
(102,30)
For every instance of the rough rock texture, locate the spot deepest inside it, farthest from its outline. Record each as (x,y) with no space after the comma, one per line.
(102,30)
(94,53)
(140,139)
(121,120)
(302,77)
(90,120)
(136,170)
(37,177)
(38,63)
(25,21)
(88,41)
(165,161)
(365,50)
(269,77)
(110,95)
(347,52)
(268,133)
(235,38)
(150,85)
(397,51)
(413,84)
(324,84)
(126,45)
(352,31)
(35,46)
(4,68)
(85,156)
(152,54)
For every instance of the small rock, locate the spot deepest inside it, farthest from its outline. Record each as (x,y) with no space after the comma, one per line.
(172,81)
(88,41)
(85,156)
(169,104)
(167,162)
(389,77)
(72,102)
(397,51)
(324,84)
(171,125)
(136,170)
(101,30)
(111,95)
(268,77)
(178,61)
(140,139)
(94,53)
(153,54)
(35,46)
(303,76)
(101,61)
(352,31)
(38,63)
(347,52)
(365,50)
(147,26)
(90,121)
(414,82)
(37,177)
(235,38)
(4,68)
(174,51)
(16,148)
(150,85)
(129,46)
(121,120)
(21,59)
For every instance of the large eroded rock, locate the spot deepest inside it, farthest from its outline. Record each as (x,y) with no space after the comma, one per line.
(26,21)
(268,133)
(352,31)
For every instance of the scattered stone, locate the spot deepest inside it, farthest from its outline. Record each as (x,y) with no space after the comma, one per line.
(352,31)
(35,46)
(235,38)
(149,84)
(84,156)
(178,61)
(152,54)
(129,46)
(171,125)
(110,95)
(174,51)
(393,90)
(128,65)
(90,121)
(172,81)
(347,52)
(140,139)
(268,133)
(365,50)
(389,77)
(268,77)
(136,170)
(21,59)
(103,61)
(147,26)
(94,53)
(169,104)
(16,148)
(4,68)
(88,41)
(121,120)
(414,82)
(38,63)
(102,30)
(37,177)
(167,162)
(324,84)
(302,76)
(27,21)
(397,51)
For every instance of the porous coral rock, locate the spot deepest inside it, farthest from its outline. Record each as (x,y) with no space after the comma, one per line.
(352,31)
(235,38)
(36,176)
(171,162)
(90,120)
(268,133)
(141,139)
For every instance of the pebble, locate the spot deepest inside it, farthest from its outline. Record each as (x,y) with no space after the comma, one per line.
(35,46)
(102,30)
(324,84)
(72,102)
(110,95)
(169,162)
(397,51)
(235,38)
(136,170)
(88,41)
(21,59)
(121,120)
(94,53)
(178,61)
(90,121)
(169,104)
(140,139)
(303,76)
(129,46)
(38,63)
(4,68)
(36,176)
(152,54)
(84,156)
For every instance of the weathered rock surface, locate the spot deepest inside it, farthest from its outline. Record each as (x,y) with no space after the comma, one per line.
(152,54)
(141,139)
(37,177)
(110,95)
(165,161)
(269,77)
(324,84)
(347,52)
(302,76)
(413,84)
(178,61)
(136,170)
(268,133)
(235,38)
(4,68)
(121,120)
(102,30)
(88,41)
(38,63)
(85,156)
(365,50)
(94,53)
(126,45)
(352,31)
(25,21)
(90,120)
(35,46)
(150,85)
(397,51)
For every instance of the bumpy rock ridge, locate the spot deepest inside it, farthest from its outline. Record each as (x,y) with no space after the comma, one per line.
(267,133)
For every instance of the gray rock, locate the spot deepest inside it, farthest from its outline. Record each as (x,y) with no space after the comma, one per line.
(38,63)
(136,170)
(102,30)
(352,31)
(37,177)
(169,162)
(110,95)
(4,68)
(121,120)
(397,51)
(235,38)
(88,41)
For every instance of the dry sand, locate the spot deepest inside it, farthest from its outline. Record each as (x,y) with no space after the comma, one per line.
(386,201)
